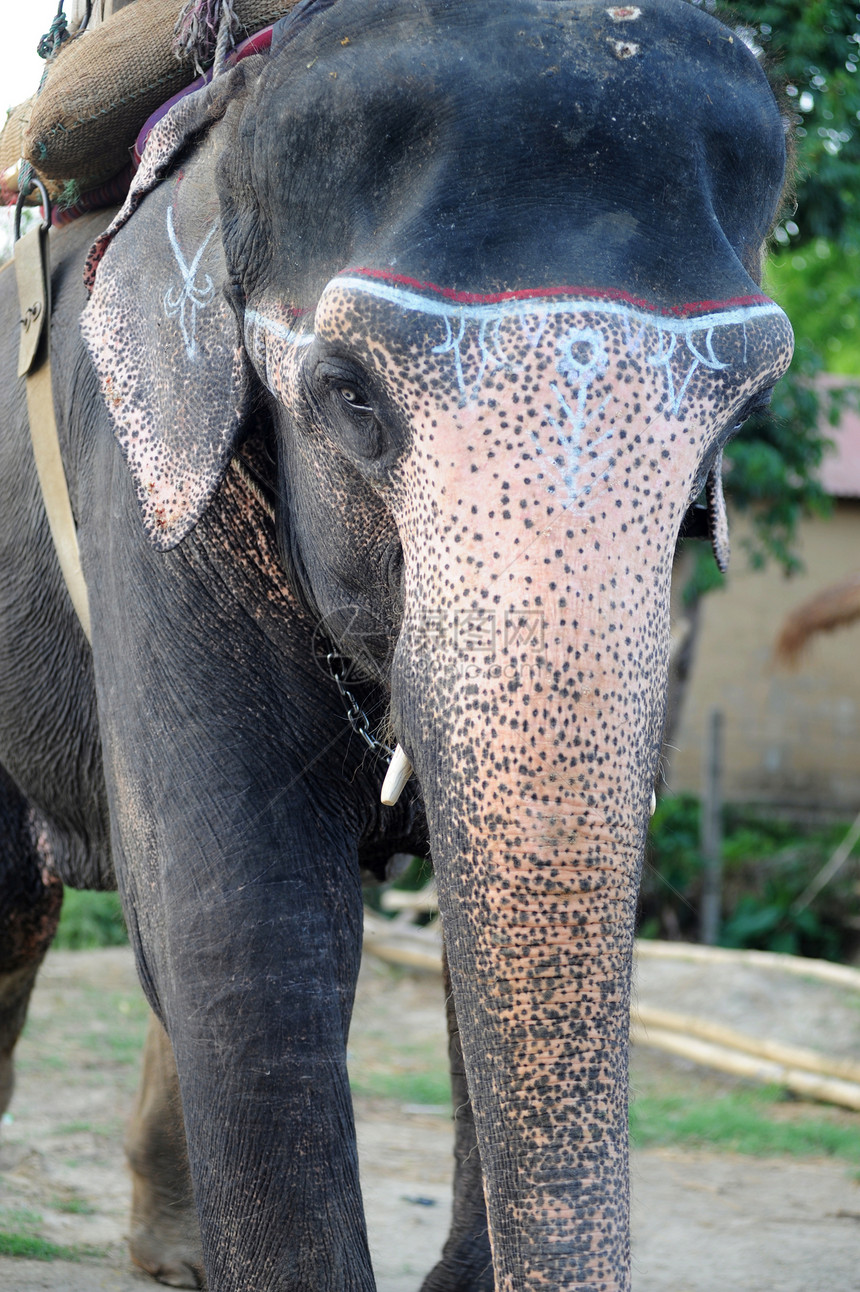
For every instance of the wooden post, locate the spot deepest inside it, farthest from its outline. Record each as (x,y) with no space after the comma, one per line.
(711,834)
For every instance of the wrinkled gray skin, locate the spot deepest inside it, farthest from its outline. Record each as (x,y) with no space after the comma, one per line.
(474,291)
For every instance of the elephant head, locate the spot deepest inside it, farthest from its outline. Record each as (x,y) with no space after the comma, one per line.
(492,275)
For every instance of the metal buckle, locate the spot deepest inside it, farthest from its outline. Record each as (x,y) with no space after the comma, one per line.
(34,182)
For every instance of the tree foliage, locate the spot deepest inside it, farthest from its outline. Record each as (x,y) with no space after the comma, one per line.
(812,51)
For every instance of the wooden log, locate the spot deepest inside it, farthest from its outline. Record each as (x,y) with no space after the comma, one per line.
(801,966)
(712,1045)
(401,944)
(830,870)
(789,1056)
(807,1084)
(424,901)
(823,970)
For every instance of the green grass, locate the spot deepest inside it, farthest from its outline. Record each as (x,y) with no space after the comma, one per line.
(742,1121)
(74,1206)
(33,1248)
(20,1217)
(90,920)
(756,1123)
(406,1087)
(110,1130)
(18,1238)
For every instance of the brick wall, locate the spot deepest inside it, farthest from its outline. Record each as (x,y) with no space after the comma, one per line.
(792,740)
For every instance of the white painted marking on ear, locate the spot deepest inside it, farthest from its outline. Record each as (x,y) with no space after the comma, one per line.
(271,345)
(177,300)
(256,320)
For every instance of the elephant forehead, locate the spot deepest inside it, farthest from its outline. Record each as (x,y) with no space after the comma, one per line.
(574,384)
(536,403)
(705,351)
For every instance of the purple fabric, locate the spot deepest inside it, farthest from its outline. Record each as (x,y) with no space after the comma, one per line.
(255,44)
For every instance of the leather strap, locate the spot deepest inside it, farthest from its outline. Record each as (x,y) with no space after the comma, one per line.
(33,272)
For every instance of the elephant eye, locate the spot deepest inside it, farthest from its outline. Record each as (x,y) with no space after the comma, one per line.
(344,404)
(354,399)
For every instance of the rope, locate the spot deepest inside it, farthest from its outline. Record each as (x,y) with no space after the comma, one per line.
(206,30)
(47,48)
(54,37)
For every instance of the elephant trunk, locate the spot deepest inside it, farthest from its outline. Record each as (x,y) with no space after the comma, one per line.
(539,512)
(542,989)
(537,767)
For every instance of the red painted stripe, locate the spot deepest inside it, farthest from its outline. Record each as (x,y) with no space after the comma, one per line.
(538,293)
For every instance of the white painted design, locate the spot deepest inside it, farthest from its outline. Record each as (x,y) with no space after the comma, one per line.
(255,319)
(624,48)
(480,339)
(679,346)
(665,355)
(624,13)
(184,302)
(268,358)
(582,360)
(541,309)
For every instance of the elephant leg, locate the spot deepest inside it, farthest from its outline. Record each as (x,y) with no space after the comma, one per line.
(466,1264)
(165,1235)
(30,901)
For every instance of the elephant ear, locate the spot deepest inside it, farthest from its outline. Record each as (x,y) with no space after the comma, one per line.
(163,338)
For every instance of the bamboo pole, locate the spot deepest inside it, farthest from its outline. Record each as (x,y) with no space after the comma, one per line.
(425,900)
(801,966)
(810,1085)
(788,1056)
(402,944)
(711,831)
(830,870)
(824,970)
(699,1040)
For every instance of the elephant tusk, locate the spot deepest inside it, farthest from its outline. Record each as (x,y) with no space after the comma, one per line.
(399,771)
(653,802)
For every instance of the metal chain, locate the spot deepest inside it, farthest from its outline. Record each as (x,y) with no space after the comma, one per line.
(355,715)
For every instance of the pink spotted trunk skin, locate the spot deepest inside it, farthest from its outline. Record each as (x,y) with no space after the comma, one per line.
(537,769)
(554,448)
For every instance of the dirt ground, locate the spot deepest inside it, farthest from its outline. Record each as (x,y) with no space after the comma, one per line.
(702,1222)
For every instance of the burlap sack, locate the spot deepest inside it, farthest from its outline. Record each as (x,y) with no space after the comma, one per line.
(11,138)
(104,84)
(63,192)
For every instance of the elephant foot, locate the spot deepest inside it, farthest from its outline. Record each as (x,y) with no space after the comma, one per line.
(165,1235)
(465,1272)
(174,1263)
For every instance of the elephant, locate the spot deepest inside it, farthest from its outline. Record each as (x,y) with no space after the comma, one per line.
(384,397)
